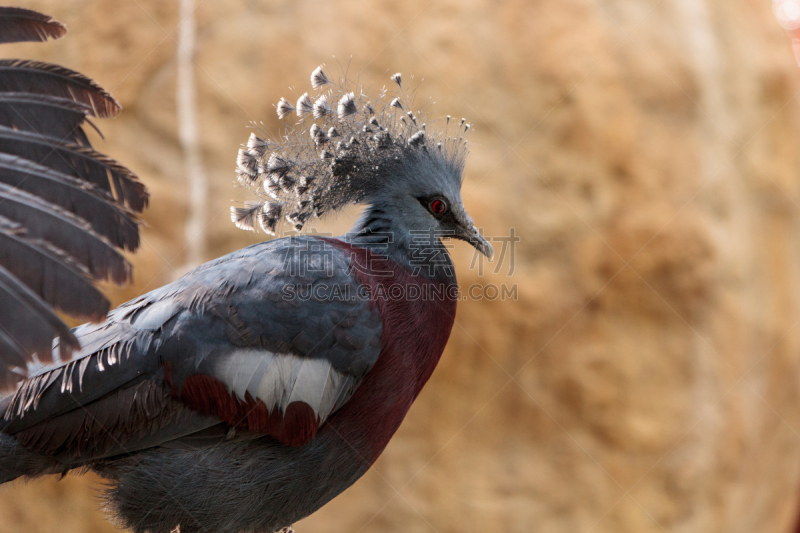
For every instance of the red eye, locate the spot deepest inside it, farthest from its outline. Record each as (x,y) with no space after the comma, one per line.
(438,207)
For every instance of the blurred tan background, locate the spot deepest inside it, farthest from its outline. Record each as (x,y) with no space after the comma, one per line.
(647,152)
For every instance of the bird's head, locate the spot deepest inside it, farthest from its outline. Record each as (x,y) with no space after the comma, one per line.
(423,198)
(349,147)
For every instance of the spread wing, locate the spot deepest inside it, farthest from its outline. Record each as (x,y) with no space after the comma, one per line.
(66,210)
(270,340)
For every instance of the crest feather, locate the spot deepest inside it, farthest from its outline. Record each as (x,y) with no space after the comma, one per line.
(245,217)
(257,145)
(318,78)
(284,108)
(304,105)
(305,173)
(347,105)
(322,107)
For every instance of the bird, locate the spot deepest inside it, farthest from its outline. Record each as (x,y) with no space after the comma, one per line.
(251,391)
(66,211)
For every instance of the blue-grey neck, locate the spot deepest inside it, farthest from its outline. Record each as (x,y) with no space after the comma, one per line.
(421,251)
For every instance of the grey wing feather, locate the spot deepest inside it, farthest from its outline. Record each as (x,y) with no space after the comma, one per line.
(227,319)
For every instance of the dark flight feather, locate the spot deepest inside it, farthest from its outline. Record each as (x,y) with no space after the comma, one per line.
(49,272)
(101,210)
(18,25)
(73,235)
(36,77)
(29,324)
(48,115)
(76,160)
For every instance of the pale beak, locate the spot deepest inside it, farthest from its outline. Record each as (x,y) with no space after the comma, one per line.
(477,240)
